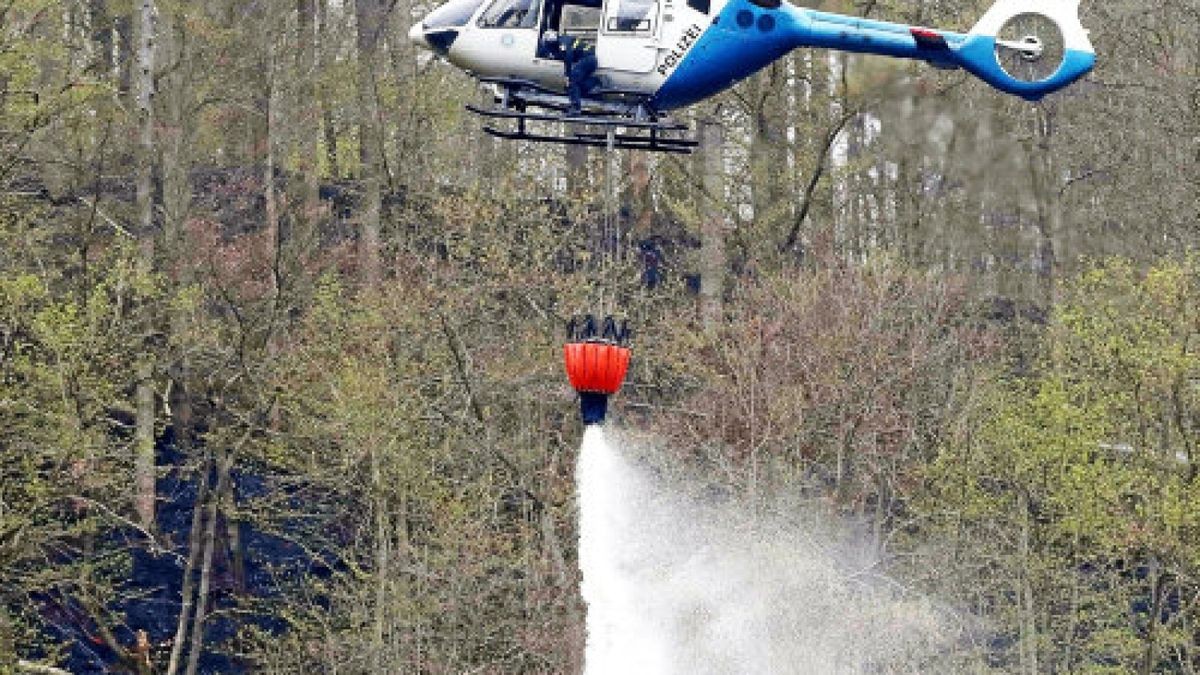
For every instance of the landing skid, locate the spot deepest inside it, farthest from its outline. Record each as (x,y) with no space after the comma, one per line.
(627,124)
(649,143)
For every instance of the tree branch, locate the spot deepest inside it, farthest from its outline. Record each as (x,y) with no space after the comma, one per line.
(815,179)
(39,668)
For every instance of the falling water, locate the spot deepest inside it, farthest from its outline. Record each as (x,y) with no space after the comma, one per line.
(674,585)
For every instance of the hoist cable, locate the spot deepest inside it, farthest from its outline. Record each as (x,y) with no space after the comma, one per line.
(610,244)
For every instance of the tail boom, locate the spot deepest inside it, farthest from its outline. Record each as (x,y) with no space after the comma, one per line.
(975,52)
(747,36)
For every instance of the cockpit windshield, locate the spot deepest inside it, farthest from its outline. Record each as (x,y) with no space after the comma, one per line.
(511,14)
(453,14)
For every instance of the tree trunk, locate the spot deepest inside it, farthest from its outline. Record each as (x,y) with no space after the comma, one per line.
(125,51)
(1157,586)
(224,461)
(1025,613)
(144,467)
(713,226)
(102,39)
(1068,660)
(768,149)
(577,156)
(177,196)
(639,203)
(32,668)
(1046,192)
(369,16)
(307,121)
(382,563)
(233,533)
(8,647)
(328,125)
(187,594)
(270,199)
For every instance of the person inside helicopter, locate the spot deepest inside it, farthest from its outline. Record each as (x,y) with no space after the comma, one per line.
(574,44)
(579,65)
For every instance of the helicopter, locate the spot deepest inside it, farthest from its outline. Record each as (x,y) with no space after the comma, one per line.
(626,64)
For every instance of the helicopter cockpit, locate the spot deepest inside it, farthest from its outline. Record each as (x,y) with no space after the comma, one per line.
(440,29)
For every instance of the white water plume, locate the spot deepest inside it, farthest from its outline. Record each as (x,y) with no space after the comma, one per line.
(677,586)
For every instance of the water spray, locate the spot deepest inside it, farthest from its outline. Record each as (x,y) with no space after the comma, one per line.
(679,583)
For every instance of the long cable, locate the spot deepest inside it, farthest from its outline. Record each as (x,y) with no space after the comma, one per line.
(611,244)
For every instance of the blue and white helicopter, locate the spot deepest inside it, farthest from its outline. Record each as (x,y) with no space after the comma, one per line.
(624,64)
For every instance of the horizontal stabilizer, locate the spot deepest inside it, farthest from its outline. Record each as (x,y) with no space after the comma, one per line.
(927,38)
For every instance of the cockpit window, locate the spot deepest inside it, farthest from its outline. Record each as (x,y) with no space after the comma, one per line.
(510,14)
(580,21)
(631,16)
(453,14)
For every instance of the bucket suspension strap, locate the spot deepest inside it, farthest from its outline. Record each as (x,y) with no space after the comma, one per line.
(610,245)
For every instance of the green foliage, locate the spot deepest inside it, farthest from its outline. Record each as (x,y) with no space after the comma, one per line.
(418,437)
(1090,462)
(65,346)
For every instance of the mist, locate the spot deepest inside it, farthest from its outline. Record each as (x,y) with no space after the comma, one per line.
(676,582)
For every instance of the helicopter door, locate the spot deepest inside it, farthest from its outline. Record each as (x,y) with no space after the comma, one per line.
(629,36)
(507,40)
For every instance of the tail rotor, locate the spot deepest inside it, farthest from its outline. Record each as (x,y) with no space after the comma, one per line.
(1030,48)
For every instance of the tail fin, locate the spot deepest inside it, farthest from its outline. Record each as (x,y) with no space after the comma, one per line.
(1029,47)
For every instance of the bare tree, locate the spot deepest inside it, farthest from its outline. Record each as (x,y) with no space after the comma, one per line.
(713,223)
(145,15)
(369,25)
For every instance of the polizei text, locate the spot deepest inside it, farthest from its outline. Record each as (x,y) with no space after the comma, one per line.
(677,52)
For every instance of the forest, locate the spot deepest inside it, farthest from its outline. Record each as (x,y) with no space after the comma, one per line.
(281,382)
